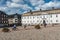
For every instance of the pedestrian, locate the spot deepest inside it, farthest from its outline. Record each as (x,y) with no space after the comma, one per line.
(14,27)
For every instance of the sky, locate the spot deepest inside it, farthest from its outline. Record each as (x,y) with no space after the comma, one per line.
(23,6)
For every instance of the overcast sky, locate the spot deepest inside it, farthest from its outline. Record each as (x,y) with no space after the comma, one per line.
(23,6)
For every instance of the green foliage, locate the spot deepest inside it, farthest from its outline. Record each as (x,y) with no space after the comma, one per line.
(5,30)
(37,26)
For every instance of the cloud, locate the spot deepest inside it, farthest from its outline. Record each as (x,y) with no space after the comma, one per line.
(17,0)
(48,5)
(23,6)
(36,2)
(10,4)
(16,5)
(51,4)
(3,8)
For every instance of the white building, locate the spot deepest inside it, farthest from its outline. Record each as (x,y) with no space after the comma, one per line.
(37,17)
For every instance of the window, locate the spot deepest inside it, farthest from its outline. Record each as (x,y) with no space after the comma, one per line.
(40,16)
(16,21)
(23,17)
(47,20)
(33,21)
(56,20)
(2,18)
(41,21)
(15,16)
(0,21)
(47,16)
(30,17)
(4,21)
(43,16)
(51,16)
(33,17)
(11,19)
(56,15)
(37,20)
(24,21)
(37,17)
(4,15)
(51,20)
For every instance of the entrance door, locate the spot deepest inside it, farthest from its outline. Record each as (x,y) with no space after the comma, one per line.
(44,21)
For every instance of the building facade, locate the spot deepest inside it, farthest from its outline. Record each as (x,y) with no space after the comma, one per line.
(3,19)
(14,19)
(37,17)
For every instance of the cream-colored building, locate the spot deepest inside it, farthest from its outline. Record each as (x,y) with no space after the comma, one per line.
(14,19)
(37,17)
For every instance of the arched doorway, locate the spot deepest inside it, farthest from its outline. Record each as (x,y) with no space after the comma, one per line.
(44,20)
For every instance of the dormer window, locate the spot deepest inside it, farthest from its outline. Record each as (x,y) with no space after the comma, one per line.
(15,16)
(31,12)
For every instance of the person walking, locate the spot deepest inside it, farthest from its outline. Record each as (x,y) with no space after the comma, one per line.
(14,27)
(44,23)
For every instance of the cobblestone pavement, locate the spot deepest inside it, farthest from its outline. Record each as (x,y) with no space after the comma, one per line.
(49,33)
